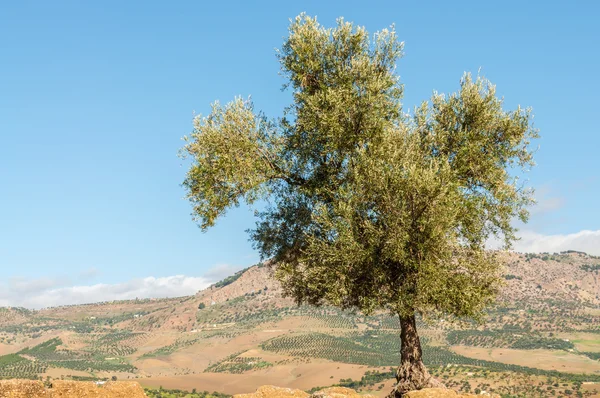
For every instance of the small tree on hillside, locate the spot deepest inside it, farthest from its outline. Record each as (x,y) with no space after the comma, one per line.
(369,208)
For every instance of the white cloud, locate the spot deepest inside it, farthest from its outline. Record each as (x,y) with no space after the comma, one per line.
(221,271)
(22,286)
(533,242)
(543,214)
(43,292)
(49,292)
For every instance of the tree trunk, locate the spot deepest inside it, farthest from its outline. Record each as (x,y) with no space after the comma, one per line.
(411,374)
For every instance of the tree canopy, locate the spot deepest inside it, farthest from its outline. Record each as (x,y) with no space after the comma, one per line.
(368,207)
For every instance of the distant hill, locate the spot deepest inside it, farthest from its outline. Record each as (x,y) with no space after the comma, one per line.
(241,333)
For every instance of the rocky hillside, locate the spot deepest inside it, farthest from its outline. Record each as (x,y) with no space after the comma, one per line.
(570,277)
(568,281)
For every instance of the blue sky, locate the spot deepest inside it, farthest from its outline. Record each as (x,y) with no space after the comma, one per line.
(95,97)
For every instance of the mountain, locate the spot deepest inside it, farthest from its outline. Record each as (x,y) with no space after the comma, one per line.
(541,339)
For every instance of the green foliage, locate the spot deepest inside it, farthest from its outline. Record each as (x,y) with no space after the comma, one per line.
(10,359)
(339,349)
(43,349)
(370,378)
(509,277)
(87,378)
(590,268)
(15,366)
(592,355)
(237,364)
(370,209)
(372,348)
(179,344)
(506,338)
(230,279)
(164,393)
(116,344)
(380,348)
(47,353)
(92,365)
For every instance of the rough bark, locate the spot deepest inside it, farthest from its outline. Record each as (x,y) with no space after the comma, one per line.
(411,374)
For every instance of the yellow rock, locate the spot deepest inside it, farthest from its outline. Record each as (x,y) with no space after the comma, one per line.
(70,389)
(339,392)
(22,389)
(118,389)
(443,393)
(279,392)
(274,392)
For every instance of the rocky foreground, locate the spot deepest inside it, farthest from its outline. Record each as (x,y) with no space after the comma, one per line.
(70,389)
(341,392)
(131,389)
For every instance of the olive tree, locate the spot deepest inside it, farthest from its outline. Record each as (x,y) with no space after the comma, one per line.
(363,206)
